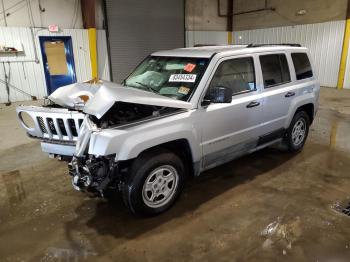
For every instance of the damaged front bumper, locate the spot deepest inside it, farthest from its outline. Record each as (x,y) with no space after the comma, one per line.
(93,174)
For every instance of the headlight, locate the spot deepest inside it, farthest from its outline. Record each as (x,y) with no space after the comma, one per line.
(27,120)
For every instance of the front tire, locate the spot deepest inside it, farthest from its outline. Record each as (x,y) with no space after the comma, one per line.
(155,181)
(297,132)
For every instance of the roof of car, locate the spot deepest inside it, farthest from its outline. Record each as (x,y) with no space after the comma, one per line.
(209,51)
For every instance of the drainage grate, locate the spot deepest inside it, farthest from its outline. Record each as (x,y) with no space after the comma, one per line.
(343,208)
(346,210)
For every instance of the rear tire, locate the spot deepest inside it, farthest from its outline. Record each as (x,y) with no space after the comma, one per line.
(297,132)
(155,181)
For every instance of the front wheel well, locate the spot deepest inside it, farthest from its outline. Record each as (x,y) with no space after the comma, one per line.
(180,147)
(309,109)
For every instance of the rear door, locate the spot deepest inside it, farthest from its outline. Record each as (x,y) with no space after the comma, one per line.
(231,129)
(278,90)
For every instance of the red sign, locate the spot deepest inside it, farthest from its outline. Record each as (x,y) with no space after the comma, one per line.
(54,28)
(189,67)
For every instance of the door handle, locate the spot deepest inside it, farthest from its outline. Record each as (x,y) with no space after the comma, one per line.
(253,104)
(289,94)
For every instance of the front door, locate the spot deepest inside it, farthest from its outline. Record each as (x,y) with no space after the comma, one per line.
(58,61)
(231,129)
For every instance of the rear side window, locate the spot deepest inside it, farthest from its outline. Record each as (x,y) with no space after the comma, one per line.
(302,66)
(275,69)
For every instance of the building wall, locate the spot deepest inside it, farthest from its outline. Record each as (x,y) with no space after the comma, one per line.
(202,15)
(27,77)
(324,41)
(65,13)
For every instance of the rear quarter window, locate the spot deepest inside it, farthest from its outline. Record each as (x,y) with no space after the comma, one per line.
(302,65)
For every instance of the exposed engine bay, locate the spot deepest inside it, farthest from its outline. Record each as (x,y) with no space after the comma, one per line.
(126,113)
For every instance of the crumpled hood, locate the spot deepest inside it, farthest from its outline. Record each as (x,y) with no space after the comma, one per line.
(109,93)
(69,96)
(102,96)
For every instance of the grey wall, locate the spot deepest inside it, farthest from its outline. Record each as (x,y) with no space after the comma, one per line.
(138,28)
(201,15)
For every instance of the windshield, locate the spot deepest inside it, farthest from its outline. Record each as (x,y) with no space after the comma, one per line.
(174,77)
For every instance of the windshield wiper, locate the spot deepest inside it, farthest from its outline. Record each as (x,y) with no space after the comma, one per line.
(148,87)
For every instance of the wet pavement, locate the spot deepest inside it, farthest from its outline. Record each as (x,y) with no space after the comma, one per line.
(269,206)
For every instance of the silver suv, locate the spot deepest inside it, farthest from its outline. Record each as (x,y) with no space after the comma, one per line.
(179,113)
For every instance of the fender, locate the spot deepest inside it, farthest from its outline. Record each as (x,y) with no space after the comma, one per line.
(129,143)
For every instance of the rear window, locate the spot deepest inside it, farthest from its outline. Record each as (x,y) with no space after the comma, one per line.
(302,65)
(275,69)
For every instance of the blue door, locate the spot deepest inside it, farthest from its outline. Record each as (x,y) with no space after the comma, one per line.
(58,60)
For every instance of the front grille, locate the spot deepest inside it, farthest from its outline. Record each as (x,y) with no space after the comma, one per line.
(41,124)
(72,127)
(51,126)
(63,128)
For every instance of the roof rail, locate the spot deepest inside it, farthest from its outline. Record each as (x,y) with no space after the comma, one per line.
(203,45)
(283,44)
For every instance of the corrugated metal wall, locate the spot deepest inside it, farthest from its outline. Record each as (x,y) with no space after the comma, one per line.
(29,76)
(102,56)
(137,28)
(324,41)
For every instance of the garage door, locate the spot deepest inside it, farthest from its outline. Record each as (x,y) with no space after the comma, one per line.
(138,28)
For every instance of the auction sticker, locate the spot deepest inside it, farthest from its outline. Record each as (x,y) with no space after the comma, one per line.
(189,67)
(183,90)
(190,78)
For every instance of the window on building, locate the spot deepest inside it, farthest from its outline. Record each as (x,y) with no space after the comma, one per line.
(302,65)
(275,70)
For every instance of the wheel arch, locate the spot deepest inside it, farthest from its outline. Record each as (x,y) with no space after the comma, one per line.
(309,109)
(181,147)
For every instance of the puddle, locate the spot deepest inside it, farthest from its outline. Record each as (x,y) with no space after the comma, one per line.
(282,233)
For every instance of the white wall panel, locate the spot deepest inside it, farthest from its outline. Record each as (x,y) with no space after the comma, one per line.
(102,53)
(324,41)
(27,75)
(205,38)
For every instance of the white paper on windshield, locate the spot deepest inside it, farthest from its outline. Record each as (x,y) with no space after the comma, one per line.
(189,78)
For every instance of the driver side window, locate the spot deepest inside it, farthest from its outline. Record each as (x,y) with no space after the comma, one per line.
(236,74)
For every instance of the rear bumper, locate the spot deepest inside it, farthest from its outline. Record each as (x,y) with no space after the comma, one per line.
(58,149)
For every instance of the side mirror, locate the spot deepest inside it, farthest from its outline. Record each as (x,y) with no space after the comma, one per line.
(217,94)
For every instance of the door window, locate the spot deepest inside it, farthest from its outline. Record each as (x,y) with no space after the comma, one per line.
(275,70)
(302,66)
(237,74)
(56,57)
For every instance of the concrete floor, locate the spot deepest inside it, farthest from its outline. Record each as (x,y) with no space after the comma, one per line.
(267,206)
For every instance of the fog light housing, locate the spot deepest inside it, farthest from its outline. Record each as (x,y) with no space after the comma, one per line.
(27,120)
